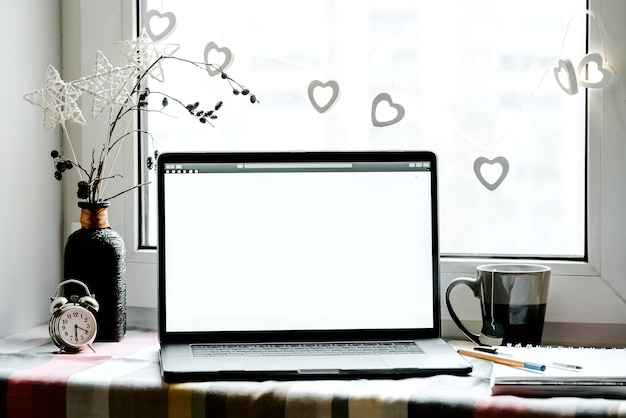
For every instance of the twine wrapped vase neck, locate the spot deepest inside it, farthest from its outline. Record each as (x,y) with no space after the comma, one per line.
(94,215)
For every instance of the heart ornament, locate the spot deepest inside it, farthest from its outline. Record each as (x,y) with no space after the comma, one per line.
(592,72)
(385,112)
(212,50)
(491,173)
(566,76)
(323,95)
(160,25)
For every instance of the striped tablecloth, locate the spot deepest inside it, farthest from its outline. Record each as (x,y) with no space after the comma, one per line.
(123,380)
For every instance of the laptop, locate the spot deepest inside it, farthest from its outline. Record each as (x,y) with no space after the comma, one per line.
(287,265)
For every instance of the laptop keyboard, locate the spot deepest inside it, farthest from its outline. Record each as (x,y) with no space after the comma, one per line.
(305,349)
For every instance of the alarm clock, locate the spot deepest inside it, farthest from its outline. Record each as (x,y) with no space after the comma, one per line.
(73,325)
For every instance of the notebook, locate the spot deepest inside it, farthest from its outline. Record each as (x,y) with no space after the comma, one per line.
(582,372)
(309,256)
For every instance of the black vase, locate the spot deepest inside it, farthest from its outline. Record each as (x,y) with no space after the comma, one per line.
(95,255)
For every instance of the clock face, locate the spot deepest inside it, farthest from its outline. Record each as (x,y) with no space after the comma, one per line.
(75,326)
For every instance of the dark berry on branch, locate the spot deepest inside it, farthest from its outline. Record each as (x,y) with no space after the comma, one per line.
(58,175)
(150,163)
(83,190)
(68,164)
(54,154)
(219,105)
(60,166)
(245,92)
(236,92)
(189,107)
(165,102)
(253,99)
(195,105)
(224,76)
(202,120)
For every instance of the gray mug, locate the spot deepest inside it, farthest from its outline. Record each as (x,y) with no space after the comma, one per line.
(512,299)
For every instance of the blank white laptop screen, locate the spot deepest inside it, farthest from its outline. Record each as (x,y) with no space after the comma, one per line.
(298,246)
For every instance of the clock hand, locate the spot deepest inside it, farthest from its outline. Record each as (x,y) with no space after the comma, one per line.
(76,332)
(82,329)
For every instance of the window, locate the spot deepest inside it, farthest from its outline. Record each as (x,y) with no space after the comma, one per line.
(472,81)
(577,287)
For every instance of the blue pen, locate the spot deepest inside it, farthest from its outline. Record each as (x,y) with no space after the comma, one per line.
(502,360)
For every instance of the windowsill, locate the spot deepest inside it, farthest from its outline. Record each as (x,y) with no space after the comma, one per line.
(140,317)
(555,333)
(451,265)
(566,334)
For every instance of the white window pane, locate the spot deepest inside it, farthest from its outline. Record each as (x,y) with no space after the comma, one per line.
(474,78)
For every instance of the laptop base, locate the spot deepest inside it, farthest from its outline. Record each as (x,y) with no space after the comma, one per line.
(437,357)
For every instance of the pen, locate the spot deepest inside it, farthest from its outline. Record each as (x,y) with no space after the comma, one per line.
(494,350)
(485,349)
(502,360)
(567,366)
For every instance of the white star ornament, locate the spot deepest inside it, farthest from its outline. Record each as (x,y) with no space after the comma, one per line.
(108,85)
(58,100)
(145,54)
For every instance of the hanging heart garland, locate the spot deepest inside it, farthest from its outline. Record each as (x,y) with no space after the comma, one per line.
(319,97)
(210,64)
(593,71)
(383,104)
(593,76)
(566,76)
(483,164)
(153,16)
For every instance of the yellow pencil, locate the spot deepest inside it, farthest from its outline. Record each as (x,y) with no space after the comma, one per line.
(502,360)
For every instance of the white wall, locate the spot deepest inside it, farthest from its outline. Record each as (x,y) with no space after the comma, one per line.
(30,197)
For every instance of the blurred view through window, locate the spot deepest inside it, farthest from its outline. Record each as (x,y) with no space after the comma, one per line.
(470,80)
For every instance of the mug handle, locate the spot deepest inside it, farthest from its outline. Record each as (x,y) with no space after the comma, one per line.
(472,284)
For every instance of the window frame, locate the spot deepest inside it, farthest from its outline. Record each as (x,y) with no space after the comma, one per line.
(599,276)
